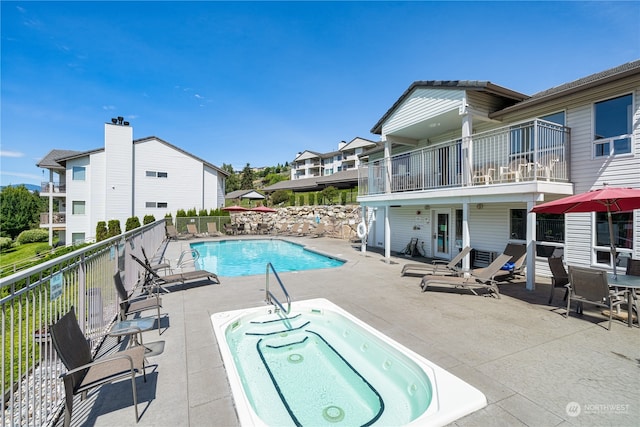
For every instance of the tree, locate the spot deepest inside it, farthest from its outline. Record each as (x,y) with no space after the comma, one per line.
(247,178)
(279,196)
(329,193)
(233,182)
(132,223)
(19,210)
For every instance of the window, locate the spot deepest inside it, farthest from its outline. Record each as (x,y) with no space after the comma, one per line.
(555,118)
(151,173)
(612,125)
(79,173)
(622,235)
(77,207)
(163,175)
(155,204)
(550,228)
(518,224)
(154,174)
(77,238)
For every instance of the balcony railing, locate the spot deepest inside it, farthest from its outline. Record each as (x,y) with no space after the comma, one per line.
(57,187)
(58,218)
(31,388)
(531,151)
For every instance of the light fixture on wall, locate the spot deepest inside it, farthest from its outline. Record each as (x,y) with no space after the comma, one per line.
(479,206)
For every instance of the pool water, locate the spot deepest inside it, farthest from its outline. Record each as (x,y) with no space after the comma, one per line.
(233,258)
(318,368)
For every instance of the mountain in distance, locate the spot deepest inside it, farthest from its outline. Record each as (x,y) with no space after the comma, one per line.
(30,187)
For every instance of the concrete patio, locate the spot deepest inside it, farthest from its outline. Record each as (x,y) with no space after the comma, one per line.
(535,367)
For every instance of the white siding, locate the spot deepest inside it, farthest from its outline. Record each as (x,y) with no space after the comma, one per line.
(420,106)
(213,198)
(181,189)
(78,191)
(98,193)
(119,172)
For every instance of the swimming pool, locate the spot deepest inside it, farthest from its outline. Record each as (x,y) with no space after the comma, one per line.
(323,366)
(249,256)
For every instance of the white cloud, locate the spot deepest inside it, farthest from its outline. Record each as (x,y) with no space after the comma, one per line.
(21,175)
(108,107)
(12,154)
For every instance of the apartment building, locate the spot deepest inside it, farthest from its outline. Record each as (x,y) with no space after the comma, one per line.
(125,178)
(311,164)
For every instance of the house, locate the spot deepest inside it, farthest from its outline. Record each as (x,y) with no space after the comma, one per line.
(311,164)
(123,179)
(463,163)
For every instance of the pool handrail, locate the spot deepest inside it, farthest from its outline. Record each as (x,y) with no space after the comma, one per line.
(270,297)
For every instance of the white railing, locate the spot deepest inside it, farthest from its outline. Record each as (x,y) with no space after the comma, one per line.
(32,392)
(528,151)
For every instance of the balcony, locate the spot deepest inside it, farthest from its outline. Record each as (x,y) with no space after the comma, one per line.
(58,188)
(531,151)
(59,218)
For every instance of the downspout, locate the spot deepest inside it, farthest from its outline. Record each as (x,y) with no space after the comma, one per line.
(531,247)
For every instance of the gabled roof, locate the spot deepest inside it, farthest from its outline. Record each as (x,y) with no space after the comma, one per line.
(244,194)
(475,85)
(357,142)
(307,154)
(593,80)
(51,160)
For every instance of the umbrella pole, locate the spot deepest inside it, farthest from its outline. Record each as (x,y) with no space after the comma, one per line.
(611,241)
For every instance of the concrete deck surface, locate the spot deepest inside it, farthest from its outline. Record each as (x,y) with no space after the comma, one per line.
(535,367)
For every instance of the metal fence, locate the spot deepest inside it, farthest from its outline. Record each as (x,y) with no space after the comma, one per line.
(35,298)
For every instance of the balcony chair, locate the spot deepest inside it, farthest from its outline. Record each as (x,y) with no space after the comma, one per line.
(590,286)
(483,176)
(83,371)
(560,277)
(132,305)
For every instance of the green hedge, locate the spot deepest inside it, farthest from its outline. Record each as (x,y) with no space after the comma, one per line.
(33,236)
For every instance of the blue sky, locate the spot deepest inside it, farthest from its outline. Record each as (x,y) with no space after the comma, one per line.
(256,82)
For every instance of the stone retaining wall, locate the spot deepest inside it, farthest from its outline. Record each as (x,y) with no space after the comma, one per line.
(340,221)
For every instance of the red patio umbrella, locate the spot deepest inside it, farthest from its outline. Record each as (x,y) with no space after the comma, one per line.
(607,199)
(263,209)
(235,208)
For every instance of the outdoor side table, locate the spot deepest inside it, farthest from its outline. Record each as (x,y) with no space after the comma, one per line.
(134,328)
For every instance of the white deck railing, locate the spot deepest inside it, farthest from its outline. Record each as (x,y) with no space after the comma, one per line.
(529,151)
(32,392)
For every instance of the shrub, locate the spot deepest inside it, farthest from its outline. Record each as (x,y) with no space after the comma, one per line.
(148,219)
(292,200)
(181,213)
(101,231)
(343,198)
(114,228)
(329,193)
(132,223)
(279,196)
(203,212)
(5,243)
(33,236)
(191,212)
(312,198)
(301,200)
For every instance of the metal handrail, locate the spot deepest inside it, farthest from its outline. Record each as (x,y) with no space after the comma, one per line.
(270,297)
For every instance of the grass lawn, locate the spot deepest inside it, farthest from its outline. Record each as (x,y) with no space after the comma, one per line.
(21,253)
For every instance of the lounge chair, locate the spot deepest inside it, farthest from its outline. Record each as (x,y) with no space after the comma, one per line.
(83,372)
(131,305)
(212,230)
(230,229)
(182,277)
(590,286)
(193,230)
(515,265)
(319,231)
(172,233)
(482,279)
(438,266)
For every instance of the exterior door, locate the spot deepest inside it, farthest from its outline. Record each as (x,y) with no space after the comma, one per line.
(441,233)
